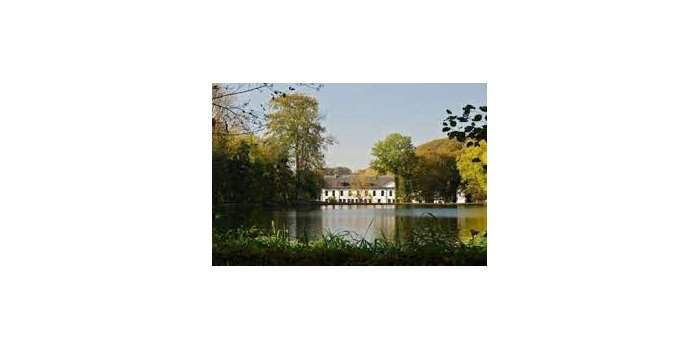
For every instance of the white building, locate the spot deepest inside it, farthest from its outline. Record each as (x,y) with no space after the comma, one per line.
(356,189)
(461,197)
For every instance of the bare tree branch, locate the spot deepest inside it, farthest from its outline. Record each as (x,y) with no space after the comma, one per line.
(264,85)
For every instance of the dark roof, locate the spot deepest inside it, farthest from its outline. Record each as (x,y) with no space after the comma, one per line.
(359,181)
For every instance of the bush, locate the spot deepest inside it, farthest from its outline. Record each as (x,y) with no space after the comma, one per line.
(254,247)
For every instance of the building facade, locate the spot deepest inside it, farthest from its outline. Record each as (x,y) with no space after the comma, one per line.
(357,189)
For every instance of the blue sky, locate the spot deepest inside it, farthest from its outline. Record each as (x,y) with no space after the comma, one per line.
(358,115)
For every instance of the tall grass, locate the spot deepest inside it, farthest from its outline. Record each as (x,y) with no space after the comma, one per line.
(423,246)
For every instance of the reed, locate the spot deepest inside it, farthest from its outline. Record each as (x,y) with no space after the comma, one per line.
(254,246)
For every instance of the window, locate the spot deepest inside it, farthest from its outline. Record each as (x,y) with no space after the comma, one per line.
(382,193)
(365,192)
(374,193)
(379,200)
(333,193)
(326,193)
(391,193)
(341,193)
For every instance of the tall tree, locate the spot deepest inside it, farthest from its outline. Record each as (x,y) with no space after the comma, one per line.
(436,175)
(295,122)
(472,169)
(395,154)
(233,112)
(471,129)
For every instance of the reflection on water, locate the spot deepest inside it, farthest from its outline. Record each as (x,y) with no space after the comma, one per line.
(368,221)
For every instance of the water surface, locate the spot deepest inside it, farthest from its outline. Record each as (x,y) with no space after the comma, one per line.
(368,221)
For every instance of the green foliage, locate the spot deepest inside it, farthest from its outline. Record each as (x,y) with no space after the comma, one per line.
(470,125)
(395,154)
(249,170)
(471,129)
(424,247)
(444,146)
(276,169)
(435,175)
(295,124)
(472,164)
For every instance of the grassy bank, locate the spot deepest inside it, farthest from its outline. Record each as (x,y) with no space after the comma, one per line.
(423,247)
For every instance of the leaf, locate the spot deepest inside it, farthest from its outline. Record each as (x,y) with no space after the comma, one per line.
(469,128)
(291,88)
(445,129)
(483,109)
(476,160)
(477,117)
(448,111)
(453,123)
(469,144)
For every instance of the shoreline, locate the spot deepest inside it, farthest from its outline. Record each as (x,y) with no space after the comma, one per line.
(324,204)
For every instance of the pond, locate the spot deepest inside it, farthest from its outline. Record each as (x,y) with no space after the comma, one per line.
(367,221)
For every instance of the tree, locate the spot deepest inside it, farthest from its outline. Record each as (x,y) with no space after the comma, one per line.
(359,185)
(296,124)
(367,172)
(232,110)
(435,175)
(248,168)
(472,169)
(341,170)
(251,171)
(395,154)
(471,125)
(471,129)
